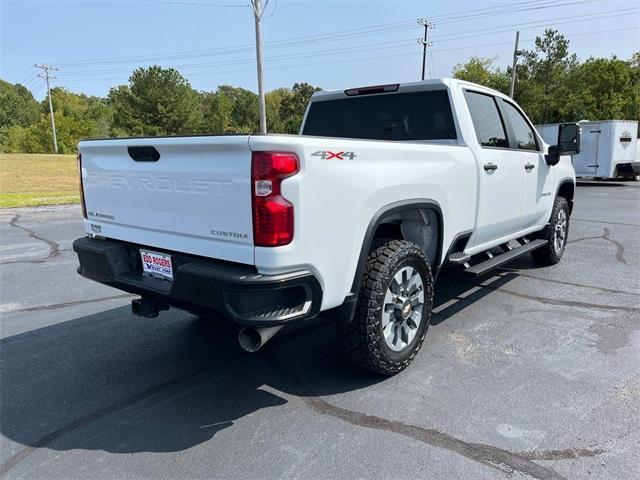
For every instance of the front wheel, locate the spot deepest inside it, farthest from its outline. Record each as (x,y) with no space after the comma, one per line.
(394,310)
(556,232)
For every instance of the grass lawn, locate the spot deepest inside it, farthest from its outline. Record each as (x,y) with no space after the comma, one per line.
(28,180)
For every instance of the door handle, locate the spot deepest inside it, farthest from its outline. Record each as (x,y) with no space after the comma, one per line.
(490,167)
(529,166)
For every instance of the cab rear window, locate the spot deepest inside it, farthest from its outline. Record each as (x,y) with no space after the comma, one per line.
(397,116)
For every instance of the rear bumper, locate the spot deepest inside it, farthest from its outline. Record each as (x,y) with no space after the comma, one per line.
(632,168)
(203,285)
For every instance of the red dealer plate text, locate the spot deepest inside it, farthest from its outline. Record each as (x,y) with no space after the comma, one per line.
(156,264)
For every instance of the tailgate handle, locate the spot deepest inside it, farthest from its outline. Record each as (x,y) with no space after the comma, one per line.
(144,154)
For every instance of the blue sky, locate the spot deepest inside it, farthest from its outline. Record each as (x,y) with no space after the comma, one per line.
(333,44)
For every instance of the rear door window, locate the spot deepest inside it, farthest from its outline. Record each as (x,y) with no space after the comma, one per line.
(397,116)
(486,120)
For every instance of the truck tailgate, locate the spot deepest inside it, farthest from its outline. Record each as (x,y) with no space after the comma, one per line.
(195,198)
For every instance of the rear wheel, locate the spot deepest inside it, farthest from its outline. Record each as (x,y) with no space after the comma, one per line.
(394,310)
(556,232)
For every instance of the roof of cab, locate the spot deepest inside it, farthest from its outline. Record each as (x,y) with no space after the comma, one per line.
(430,84)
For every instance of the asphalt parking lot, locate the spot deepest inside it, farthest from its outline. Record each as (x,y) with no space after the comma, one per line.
(525,373)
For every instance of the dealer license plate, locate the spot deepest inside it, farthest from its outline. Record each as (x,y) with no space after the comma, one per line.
(156,264)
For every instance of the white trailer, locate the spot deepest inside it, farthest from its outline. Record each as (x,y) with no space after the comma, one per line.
(607,148)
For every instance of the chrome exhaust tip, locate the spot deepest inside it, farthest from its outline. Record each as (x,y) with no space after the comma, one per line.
(253,339)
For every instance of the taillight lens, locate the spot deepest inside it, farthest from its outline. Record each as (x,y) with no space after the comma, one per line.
(272,213)
(81,186)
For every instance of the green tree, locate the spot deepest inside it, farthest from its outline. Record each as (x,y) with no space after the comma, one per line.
(482,71)
(293,107)
(157,101)
(273,101)
(94,111)
(67,103)
(601,89)
(37,138)
(17,106)
(17,139)
(229,110)
(217,110)
(543,85)
(553,86)
(244,115)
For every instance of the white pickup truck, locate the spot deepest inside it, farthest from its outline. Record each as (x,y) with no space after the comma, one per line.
(352,219)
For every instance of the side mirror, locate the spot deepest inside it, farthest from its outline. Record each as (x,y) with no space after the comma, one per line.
(568,143)
(569,139)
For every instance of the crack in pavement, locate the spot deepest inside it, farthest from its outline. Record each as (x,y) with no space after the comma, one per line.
(551,301)
(491,456)
(54,247)
(562,282)
(566,454)
(605,236)
(603,221)
(73,303)
(604,196)
(488,455)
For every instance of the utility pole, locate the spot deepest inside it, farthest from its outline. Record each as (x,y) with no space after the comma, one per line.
(516,54)
(45,68)
(258,10)
(425,43)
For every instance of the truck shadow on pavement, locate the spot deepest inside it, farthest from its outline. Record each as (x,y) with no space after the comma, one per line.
(613,182)
(123,384)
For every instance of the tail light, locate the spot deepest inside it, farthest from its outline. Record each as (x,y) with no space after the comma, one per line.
(81,186)
(272,213)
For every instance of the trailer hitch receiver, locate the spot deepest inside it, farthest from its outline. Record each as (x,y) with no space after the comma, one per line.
(147,307)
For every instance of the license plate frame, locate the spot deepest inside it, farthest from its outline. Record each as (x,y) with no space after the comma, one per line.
(156,264)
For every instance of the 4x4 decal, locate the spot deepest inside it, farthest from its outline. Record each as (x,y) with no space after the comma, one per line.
(328,155)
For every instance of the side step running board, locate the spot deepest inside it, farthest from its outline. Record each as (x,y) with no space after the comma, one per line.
(496,261)
(459,258)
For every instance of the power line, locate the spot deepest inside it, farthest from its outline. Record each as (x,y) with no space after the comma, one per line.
(355,59)
(26,74)
(234,49)
(437,39)
(522,26)
(502,10)
(369,47)
(433,65)
(379,46)
(367,58)
(200,4)
(379,29)
(275,7)
(359,33)
(31,81)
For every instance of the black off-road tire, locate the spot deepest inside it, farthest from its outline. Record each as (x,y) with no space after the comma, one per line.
(550,254)
(361,340)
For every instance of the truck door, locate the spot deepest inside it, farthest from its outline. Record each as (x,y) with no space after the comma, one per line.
(538,191)
(501,172)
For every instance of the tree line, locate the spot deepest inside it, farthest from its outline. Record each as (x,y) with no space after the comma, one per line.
(552,86)
(156,101)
